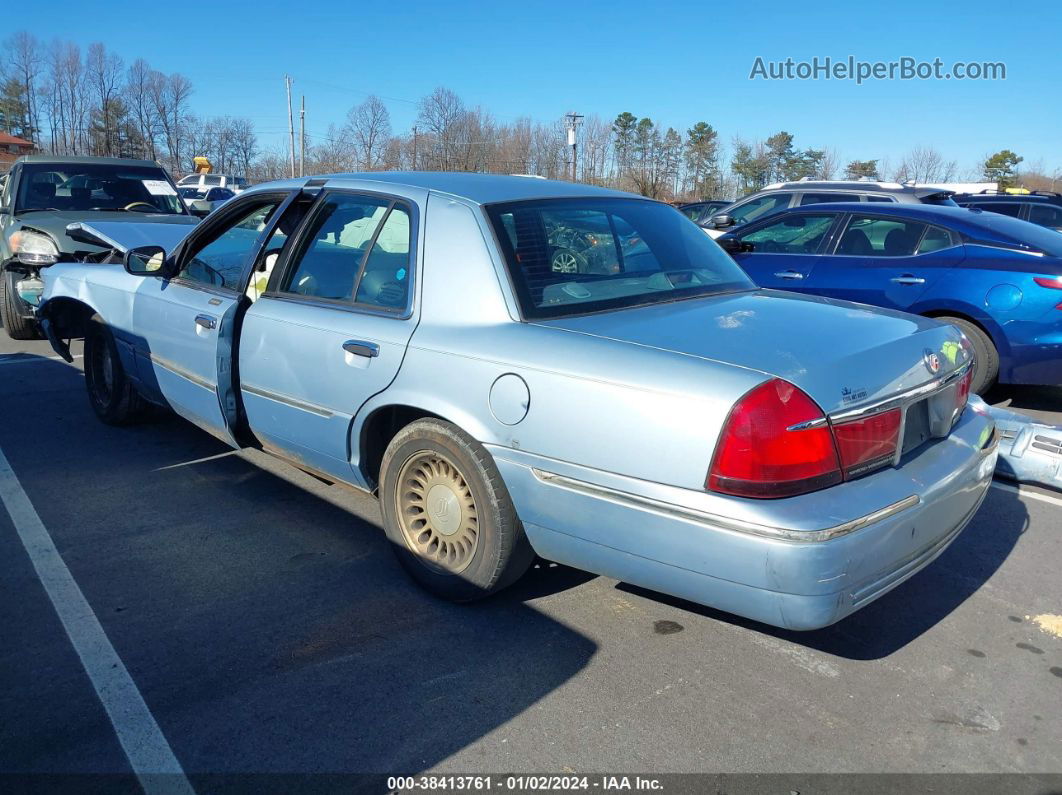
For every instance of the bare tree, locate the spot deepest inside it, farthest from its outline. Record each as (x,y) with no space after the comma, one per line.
(925,164)
(439,114)
(24,64)
(138,99)
(104,75)
(369,128)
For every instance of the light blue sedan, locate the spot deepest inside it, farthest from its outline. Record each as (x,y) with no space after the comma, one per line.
(655,418)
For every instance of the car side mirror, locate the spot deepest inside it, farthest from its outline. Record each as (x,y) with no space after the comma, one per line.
(719,222)
(200,208)
(731,245)
(145,261)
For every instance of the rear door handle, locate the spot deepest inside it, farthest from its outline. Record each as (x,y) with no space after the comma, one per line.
(789,275)
(362,348)
(908,278)
(206,321)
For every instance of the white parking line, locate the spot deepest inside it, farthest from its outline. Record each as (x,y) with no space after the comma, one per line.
(1032,495)
(35,359)
(142,740)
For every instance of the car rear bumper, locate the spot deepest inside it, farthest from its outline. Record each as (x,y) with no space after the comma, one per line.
(786,568)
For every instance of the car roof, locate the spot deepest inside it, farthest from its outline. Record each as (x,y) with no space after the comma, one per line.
(476,188)
(969,217)
(78,160)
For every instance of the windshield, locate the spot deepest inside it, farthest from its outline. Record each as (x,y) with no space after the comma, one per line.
(572,256)
(191,193)
(88,186)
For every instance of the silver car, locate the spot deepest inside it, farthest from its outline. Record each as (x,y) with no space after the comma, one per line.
(661,420)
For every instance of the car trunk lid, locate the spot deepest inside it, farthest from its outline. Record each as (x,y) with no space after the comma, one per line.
(844,355)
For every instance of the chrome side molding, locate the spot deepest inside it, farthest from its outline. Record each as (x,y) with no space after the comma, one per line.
(722,522)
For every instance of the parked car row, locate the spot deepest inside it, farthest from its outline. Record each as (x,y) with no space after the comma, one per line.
(997,278)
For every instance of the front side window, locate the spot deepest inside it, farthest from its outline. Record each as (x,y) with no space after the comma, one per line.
(220,261)
(357,249)
(572,256)
(758,208)
(793,234)
(822,198)
(880,237)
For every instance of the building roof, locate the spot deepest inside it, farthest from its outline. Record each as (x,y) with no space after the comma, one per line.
(12,139)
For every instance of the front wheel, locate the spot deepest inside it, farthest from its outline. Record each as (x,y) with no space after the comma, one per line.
(111,394)
(448,515)
(986,357)
(17,327)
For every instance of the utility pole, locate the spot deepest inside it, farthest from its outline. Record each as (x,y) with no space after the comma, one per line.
(414,147)
(572,120)
(291,125)
(302,137)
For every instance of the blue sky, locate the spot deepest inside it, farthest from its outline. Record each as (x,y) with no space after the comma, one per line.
(677,63)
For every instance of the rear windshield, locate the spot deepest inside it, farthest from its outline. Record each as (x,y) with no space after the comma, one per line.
(573,256)
(83,187)
(1021,234)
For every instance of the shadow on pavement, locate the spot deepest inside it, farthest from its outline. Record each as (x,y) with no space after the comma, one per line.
(262,616)
(916,606)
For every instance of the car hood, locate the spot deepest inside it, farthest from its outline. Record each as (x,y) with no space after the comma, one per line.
(124,236)
(842,354)
(56,222)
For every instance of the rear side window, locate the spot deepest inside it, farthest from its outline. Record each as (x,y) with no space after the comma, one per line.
(934,240)
(1046,215)
(887,199)
(880,237)
(355,246)
(1013,209)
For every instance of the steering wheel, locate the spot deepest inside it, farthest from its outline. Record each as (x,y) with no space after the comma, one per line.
(131,205)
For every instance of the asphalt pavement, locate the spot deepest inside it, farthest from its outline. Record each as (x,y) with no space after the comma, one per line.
(262,619)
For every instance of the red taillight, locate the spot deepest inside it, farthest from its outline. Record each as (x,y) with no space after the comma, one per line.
(867,443)
(762,452)
(1052,282)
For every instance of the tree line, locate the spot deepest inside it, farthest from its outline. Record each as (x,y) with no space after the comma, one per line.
(92,103)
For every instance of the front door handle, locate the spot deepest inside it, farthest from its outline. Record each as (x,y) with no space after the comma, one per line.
(362,348)
(789,275)
(908,278)
(206,321)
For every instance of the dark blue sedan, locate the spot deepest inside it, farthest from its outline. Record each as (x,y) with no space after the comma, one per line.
(997,278)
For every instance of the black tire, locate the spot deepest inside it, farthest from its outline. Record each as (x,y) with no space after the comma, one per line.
(501,551)
(111,394)
(986,357)
(16,326)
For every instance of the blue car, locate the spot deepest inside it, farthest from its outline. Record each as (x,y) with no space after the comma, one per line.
(997,278)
